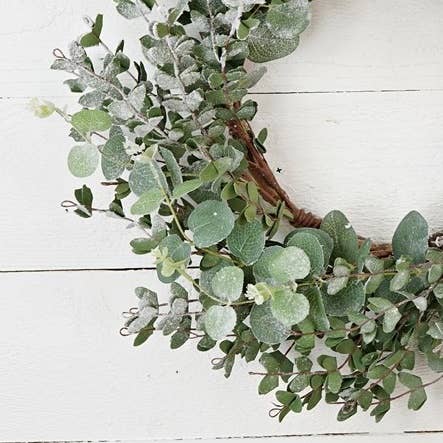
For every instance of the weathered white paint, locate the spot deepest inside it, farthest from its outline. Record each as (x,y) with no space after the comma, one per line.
(351,45)
(374,155)
(65,373)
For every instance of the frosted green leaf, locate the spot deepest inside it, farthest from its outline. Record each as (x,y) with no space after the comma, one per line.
(120,109)
(391,314)
(178,251)
(172,165)
(148,202)
(334,381)
(345,239)
(435,273)
(312,247)
(83,160)
(265,327)
(227,284)
(137,97)
(89,120)
(114,157)
(265,46)
(289,19)
(219,321)
(436,329)
(143,178)
(336,284)
(210,222)
(251,78)
(131,9)
(246,241)
(349,299)
(317,309)
(411,238)
(289,307)
(418,396)
(325,240)
(207,276)
(291,263)
(438,290)
(186,187)
(399,281)
(375,266)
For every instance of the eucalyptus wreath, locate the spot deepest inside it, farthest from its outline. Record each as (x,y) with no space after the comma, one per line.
(326,313)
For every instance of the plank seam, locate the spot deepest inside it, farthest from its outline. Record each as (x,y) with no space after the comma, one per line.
(34,271)
(304,92)
(245,437)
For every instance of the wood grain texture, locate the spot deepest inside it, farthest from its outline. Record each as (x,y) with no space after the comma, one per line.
(68,375)
(358,45)
(375,156)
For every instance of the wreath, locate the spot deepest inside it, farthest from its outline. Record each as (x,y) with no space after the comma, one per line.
(327,313)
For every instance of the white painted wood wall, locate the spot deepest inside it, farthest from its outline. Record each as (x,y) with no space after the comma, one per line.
(356,118)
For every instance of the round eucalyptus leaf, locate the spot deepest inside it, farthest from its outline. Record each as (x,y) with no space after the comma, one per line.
(349,299)
(265,46)
(289,307)
(288,19)
(210,222)
(83,160)
(279,265)
(219,321)
(246,241)
(312,247)
(88,120)
(291,263)
(265,327)
(227,284)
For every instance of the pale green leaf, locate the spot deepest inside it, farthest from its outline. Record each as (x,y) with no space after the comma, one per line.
(83,160)
(312,247)
(148,202)
(219,321)
(114,157)
(88,120)
(246,241)
(265,327)
(186,187)
(210,222)
(411,238)
(345,239)
(349,299)
(289,307)
(227,284)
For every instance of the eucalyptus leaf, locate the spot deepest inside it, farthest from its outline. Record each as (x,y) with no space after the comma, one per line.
(247,241)
(219,321)
(83,160)
(411,238)
(345,239)
(211,222)
(114,157)
(89,120)
(265,327)
(289,307)
(227,284)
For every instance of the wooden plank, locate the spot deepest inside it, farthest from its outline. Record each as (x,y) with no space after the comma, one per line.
(373,155)
(67,375)
(328,438)
(358,45)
